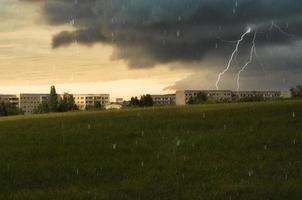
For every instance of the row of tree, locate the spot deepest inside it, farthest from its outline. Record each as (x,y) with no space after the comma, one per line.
(296,91)
(144,101)
(56,103)
(7,109)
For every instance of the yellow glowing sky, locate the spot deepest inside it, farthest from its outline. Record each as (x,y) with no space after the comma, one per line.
(28,64)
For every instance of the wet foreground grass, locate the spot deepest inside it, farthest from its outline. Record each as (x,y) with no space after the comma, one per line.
(227,151)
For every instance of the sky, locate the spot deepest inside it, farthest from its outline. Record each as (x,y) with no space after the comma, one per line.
(134,47)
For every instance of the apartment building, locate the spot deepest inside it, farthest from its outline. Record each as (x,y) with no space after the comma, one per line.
(7,98)
(263,94)
(166,99)
(183,97)
(84,101)
(29,102)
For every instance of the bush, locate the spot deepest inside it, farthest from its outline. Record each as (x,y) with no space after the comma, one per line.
(200,98)
(7,109)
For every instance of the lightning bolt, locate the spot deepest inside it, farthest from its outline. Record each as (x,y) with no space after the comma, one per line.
(253,51)
(232,57)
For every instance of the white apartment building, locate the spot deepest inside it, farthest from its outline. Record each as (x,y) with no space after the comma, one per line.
(183,97)
(9,98)
(84,101)
(29,102)
(166,99)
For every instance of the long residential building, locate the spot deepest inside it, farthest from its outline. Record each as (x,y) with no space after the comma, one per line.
(29,102)
(183,96)
(165,99)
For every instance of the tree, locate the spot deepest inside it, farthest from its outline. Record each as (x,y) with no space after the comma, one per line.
(66,103)
(134,102)
(3,110)
(296,91)
(7,109)
(98,105)
(201,97)
(53,100)
(42,108)
(146,101)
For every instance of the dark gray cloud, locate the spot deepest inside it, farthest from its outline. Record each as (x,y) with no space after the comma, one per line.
(148,32)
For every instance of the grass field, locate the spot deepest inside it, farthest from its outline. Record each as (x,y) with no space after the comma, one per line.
(225,151)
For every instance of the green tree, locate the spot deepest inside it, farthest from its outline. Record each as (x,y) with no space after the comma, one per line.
(66,103)
(134,102)
(3,110)
(42,108)
(53,100)
(7,109)
(200,98)
(146,101)
(98,105)
(296,91)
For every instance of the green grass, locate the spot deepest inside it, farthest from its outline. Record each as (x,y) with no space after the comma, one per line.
(225,151)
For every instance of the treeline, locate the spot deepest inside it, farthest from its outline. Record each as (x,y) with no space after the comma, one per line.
(7,109)
(296,91)
(56,103)
(144,101)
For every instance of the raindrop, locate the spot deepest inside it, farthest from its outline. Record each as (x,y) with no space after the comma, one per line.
(251,173)
(178,33)
(178,143)
(88,126)
(71,22)
(179,18)
(114,146)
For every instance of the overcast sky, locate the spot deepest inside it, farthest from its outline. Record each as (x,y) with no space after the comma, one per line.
(130,47)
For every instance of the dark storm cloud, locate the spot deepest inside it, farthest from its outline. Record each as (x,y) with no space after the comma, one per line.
(148,32)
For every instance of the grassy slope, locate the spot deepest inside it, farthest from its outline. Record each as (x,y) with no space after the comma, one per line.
(233,151)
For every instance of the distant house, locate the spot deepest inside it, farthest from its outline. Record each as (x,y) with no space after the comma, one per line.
(113,106)
(119,101)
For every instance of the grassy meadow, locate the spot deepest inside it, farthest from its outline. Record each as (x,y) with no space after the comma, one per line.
(248,151)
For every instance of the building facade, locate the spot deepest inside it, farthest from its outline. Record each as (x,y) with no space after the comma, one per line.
(85,101)
(166,99)
(7,98)
(183,96)
(29,102)
(262,94)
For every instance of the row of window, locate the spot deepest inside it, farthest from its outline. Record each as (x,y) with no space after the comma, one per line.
(92,98)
